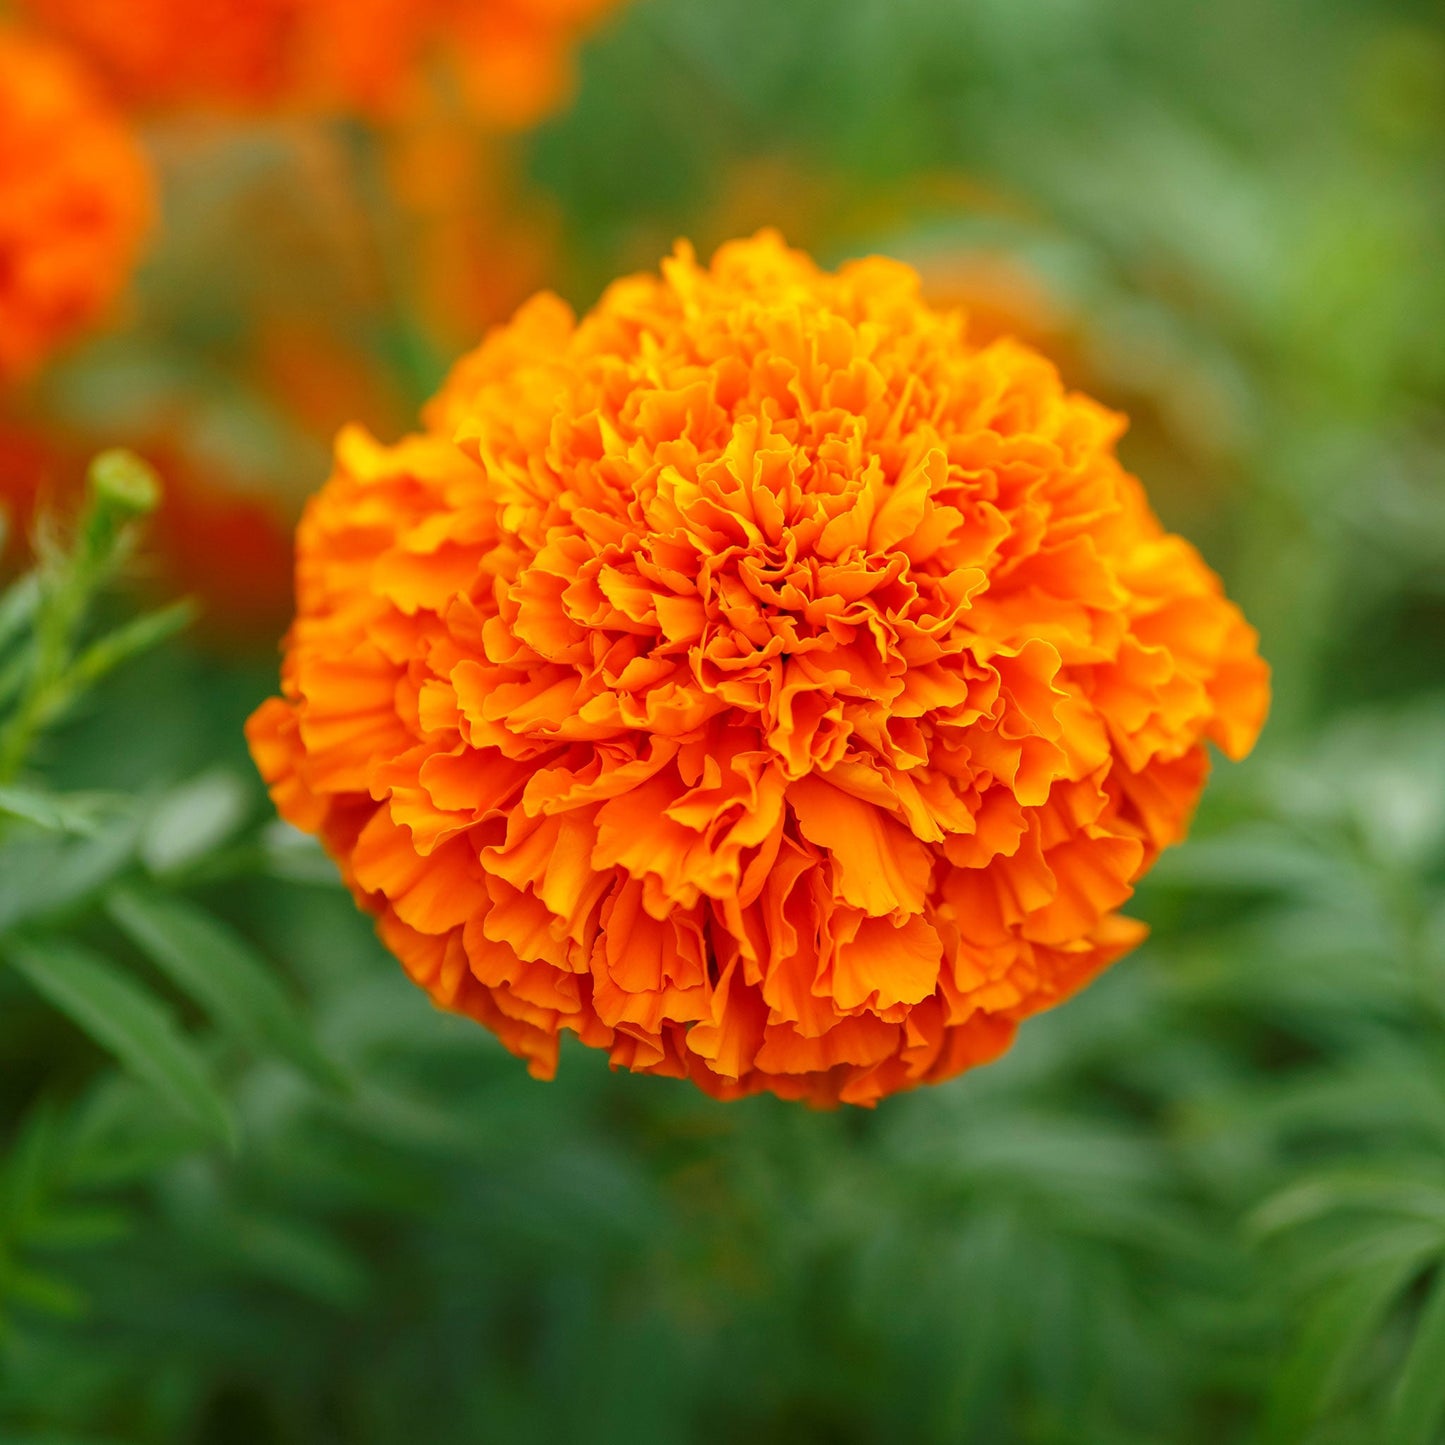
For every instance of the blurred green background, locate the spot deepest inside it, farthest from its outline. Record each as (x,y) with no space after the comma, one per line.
(1204,1202)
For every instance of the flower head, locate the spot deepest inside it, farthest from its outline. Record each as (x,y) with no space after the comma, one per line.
(75,202)
(512,56)
(754,678)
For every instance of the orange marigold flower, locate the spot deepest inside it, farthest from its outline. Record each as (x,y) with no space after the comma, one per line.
(753,678)
(513,56)
(75,201)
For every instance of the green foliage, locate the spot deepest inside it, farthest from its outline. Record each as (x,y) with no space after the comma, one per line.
(123,1018)
(254,1189)
(45,663)
(64,861)
(223,974)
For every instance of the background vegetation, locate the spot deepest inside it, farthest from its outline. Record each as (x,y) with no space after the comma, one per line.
(254,1191)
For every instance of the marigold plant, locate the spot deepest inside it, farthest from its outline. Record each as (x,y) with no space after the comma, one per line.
(513,57)
(75,202)
(211,538)
(754,678)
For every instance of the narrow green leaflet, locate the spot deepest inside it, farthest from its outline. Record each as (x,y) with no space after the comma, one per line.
(15,669)
(39,1291)
(47,873)
(1334,1338)
(25,1169)
(129,641)
(119,1137)
(193,820)
(1409,1195)
(1418,1408)
(296,1254)
(56,812)
(18,604)
(34,1176)
(295,856)
(124,1018)
(233,983)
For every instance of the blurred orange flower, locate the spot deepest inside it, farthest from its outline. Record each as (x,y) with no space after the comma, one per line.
(513,57)
(1002,296)
(75,202)
(28,469)
(754,678)
(480,239)
(227,547)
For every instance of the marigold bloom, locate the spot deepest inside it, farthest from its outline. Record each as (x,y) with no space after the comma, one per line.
(513,56)
(754,678)
(75,201)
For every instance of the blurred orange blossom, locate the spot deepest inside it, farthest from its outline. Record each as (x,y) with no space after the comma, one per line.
(512,58)
(754,678)
(480,239)
(228,547)
(75,202)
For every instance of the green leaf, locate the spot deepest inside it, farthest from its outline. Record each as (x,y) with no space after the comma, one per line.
(48,874)
(1418,1407)
(58,813)
(78,1226)
(18,604)
(41,1292)
(127,1020)
(233,983)
(120,1138)
(127,642)
(297,857)
(297,1256)
(194,820)
(15,673)
(26,1167)
(1335,1335)
(1401,1194)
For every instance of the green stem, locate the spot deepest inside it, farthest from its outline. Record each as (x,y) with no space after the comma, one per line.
(120,489)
